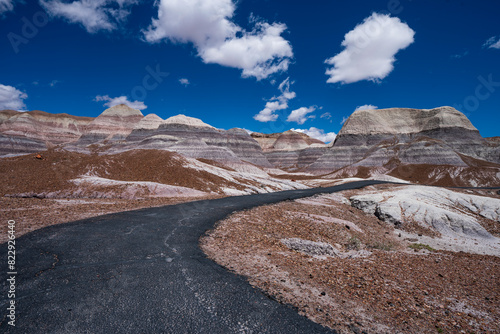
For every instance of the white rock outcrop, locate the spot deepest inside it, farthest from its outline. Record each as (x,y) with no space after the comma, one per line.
(448,212)
(149,122)
(186,120)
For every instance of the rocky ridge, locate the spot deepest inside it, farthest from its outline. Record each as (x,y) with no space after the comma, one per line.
(386,139)
(27,132)
(114,124)
(121,128)
(195,139)
(434,146)
(290,150)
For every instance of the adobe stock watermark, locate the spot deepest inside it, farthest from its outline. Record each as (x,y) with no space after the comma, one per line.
(29,29)
(482,92)
(150,82)
(11,272)
(374,28)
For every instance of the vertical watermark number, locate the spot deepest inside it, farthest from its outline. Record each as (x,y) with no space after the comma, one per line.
(11,272)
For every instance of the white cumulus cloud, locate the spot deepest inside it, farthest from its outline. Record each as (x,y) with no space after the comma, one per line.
(184,81)
(6,6)
(94,15)
(300,115)
(492,43)
(318,134)
(207,24)
(202,22)
(113,101)
(12,98)
(369,50)
(268,114)
(366,107)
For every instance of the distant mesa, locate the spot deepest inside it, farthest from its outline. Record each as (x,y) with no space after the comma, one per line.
(385,141)
(288,140)
(290,150)
(149,122)
(186,120)
(114,124)
(121,111)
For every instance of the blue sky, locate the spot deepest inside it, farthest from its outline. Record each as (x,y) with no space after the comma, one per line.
(255,64)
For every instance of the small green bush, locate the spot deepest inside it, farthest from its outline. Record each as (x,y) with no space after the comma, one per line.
(385,247)
(422,246)
(354,244)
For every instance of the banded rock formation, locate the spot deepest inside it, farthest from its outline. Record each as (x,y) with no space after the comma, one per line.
(290,149)
(121,128)
(15,145)
(114,124)
(288,140)
(193,138)
(435,146)
(151,121)
(26,132)
(389,138)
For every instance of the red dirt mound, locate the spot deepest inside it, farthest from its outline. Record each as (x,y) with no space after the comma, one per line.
(26,174)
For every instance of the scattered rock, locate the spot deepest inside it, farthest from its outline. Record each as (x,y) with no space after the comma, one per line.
(310,247)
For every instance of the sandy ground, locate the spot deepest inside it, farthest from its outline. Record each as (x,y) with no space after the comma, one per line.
(373,283)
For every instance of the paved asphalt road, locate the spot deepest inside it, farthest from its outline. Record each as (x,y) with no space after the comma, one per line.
(142,272)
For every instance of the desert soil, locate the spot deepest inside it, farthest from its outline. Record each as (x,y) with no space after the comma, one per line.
(25,183)
(53,173)
(375,284)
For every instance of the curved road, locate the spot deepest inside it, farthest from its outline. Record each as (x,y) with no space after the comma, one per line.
(143,272)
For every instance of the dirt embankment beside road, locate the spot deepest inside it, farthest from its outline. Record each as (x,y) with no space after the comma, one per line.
(375,282)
